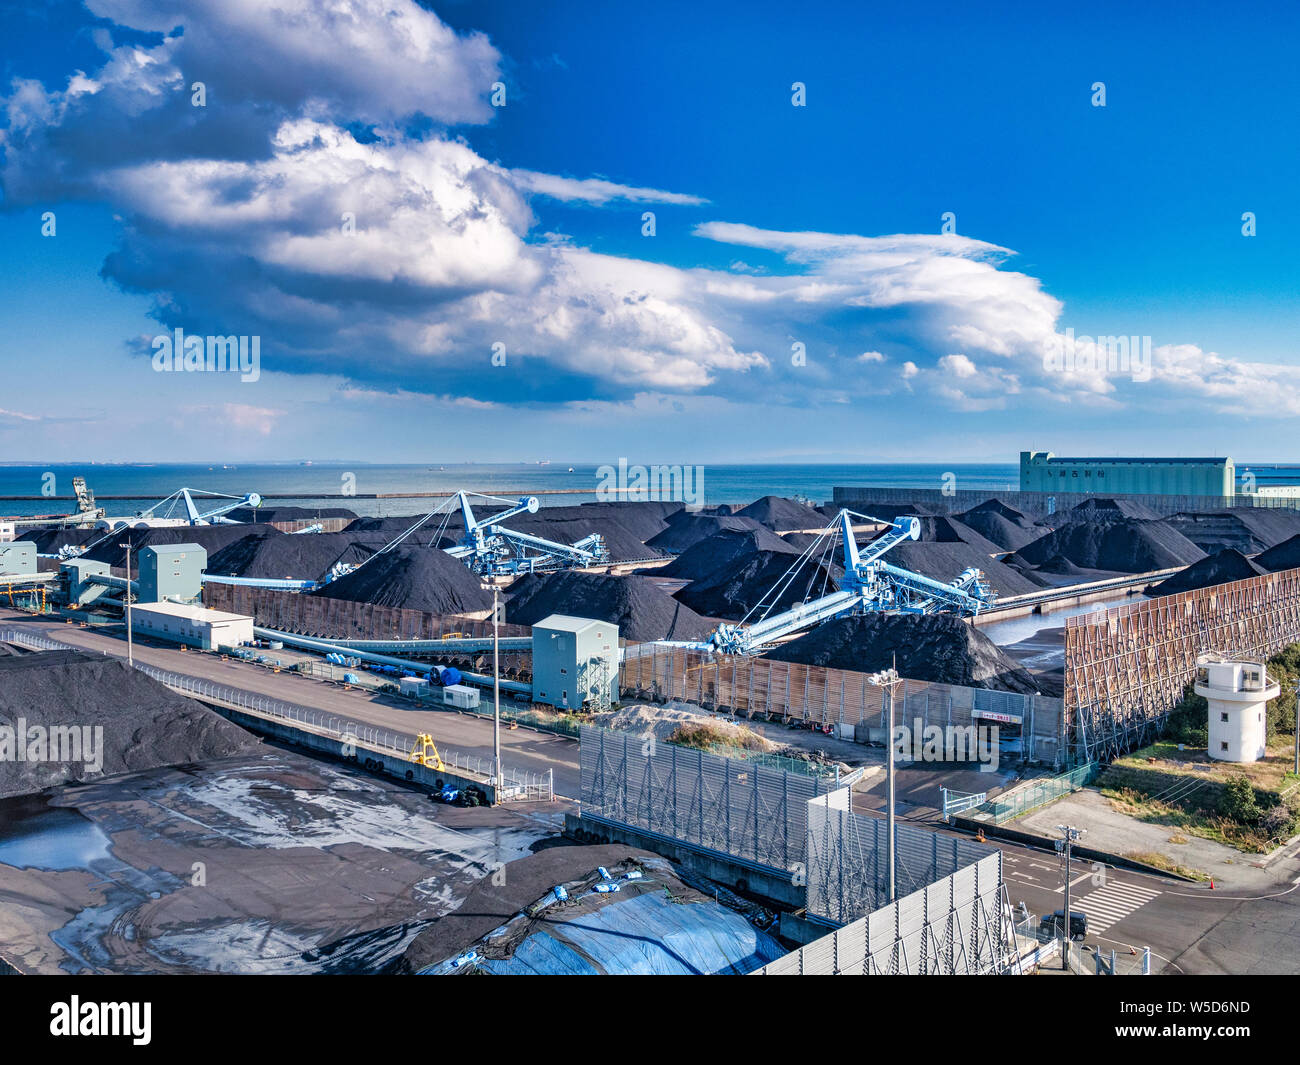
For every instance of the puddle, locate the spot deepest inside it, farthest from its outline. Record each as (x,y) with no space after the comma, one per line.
(35,835)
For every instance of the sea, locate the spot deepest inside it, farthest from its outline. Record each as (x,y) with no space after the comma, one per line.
(355,485)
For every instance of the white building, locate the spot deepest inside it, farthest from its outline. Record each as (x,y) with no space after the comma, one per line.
(194,625)
(1238,694)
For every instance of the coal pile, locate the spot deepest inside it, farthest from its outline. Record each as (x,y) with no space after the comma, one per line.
(642,519)
(753,580)
(300,556)
(144,724)
(939,648)
(641,609)
(1248,530)
(1002,525)
(941,529)
(783,515)
(892,511)
(686,530)
(1220,568)
(416,578)
(1062,567)
(269,514)
(1104,509)
(1125,545)
(210,537)
(719,552)
(568,525)
(799,541)
(945,562)
(1285,555)
(48,541)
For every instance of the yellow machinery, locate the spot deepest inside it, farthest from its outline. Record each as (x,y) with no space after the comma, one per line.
(425,752)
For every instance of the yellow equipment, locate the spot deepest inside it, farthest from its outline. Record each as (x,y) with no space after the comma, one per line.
(425,752)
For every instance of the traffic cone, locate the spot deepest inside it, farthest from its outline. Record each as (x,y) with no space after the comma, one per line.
(1211,883)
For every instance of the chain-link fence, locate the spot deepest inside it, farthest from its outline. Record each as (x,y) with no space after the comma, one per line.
(1031,796)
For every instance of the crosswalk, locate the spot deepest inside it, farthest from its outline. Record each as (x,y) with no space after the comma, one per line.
(1112,903)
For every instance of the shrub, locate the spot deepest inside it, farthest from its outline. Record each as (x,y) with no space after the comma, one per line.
(1238,801)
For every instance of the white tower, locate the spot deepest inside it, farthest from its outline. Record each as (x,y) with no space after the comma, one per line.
(1238,693)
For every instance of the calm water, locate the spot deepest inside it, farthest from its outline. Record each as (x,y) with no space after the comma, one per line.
(311,486)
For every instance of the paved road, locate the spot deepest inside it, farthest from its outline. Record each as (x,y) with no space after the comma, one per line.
(1189,928)
(522,749)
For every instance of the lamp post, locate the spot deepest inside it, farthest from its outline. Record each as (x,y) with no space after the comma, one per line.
(496,689)
(130,654)
(887,680)
(1072,836)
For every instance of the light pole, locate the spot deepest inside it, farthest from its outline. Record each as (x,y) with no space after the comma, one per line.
(1072,835)
(496,689)
(887,679)
(130,655)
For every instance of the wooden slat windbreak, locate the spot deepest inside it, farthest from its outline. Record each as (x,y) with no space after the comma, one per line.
(1127,667)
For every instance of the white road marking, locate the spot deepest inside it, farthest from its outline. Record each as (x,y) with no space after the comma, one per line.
(1111,904)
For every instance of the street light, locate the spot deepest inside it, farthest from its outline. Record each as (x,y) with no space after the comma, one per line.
(1072,836)
(130,655)
(887,679)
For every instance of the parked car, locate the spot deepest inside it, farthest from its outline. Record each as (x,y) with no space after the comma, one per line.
(1051,926)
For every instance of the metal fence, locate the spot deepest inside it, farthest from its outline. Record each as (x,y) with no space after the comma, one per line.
(1036,793)
(847,862)
(516,786)
(724,805)
(958,925)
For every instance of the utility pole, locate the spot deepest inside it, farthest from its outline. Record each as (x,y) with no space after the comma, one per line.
(887,681)
(130,654)
(1072,836)
(496,688)
(1296,730)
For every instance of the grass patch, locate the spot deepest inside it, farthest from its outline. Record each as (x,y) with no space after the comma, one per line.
(1204,824)
(706,736)
(1160,861)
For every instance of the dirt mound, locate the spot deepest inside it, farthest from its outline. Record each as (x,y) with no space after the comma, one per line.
(1125,545)
(782,515)
(753,579)
(945,562)
(711,556)
(939,648)
(210,537)
(1285,555)
(686,530)
(1104,509)
(663,721)
(301,556)
(144,725)
(417,578)
(1220,568)
(1248,530)
(641,609)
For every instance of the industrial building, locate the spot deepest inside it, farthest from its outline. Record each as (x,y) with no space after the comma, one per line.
(1042,471)
(575,661)
(171,572)
(193,625)
(17,558)
(1238,695)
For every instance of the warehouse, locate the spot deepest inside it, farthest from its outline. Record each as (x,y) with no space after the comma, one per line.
(1042,471)
(194,625)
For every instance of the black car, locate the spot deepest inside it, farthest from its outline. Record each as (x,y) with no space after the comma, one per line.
(1051,926)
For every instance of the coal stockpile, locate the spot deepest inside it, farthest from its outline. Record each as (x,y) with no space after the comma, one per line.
(719,552)
(1126,545)
(944,530)
(1220,568)
(783,515)
(269,514)
(1104,509)
(210,537)
(939,648)
(754,579)
(144,725)
(642,519)
(48,541)
(417,578)
(641,609)
(1248,530)
(893,511)
(622,543)
(1062,566)
(686,530)
(1285,555)
(800,541)
(298,556)
(945,562)
(1002,525)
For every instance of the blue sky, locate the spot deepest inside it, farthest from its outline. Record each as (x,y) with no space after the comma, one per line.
(521,225)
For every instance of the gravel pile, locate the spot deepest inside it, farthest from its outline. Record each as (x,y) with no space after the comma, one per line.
(145,725)
(1125,545)
(1220,568)
(305,556)
(641,609)
(782,515)
(685,530)
(417,578)
(939,648)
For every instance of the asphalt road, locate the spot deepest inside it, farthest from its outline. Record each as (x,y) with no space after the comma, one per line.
(1189,927)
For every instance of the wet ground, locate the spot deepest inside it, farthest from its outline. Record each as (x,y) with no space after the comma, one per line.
(273,864)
